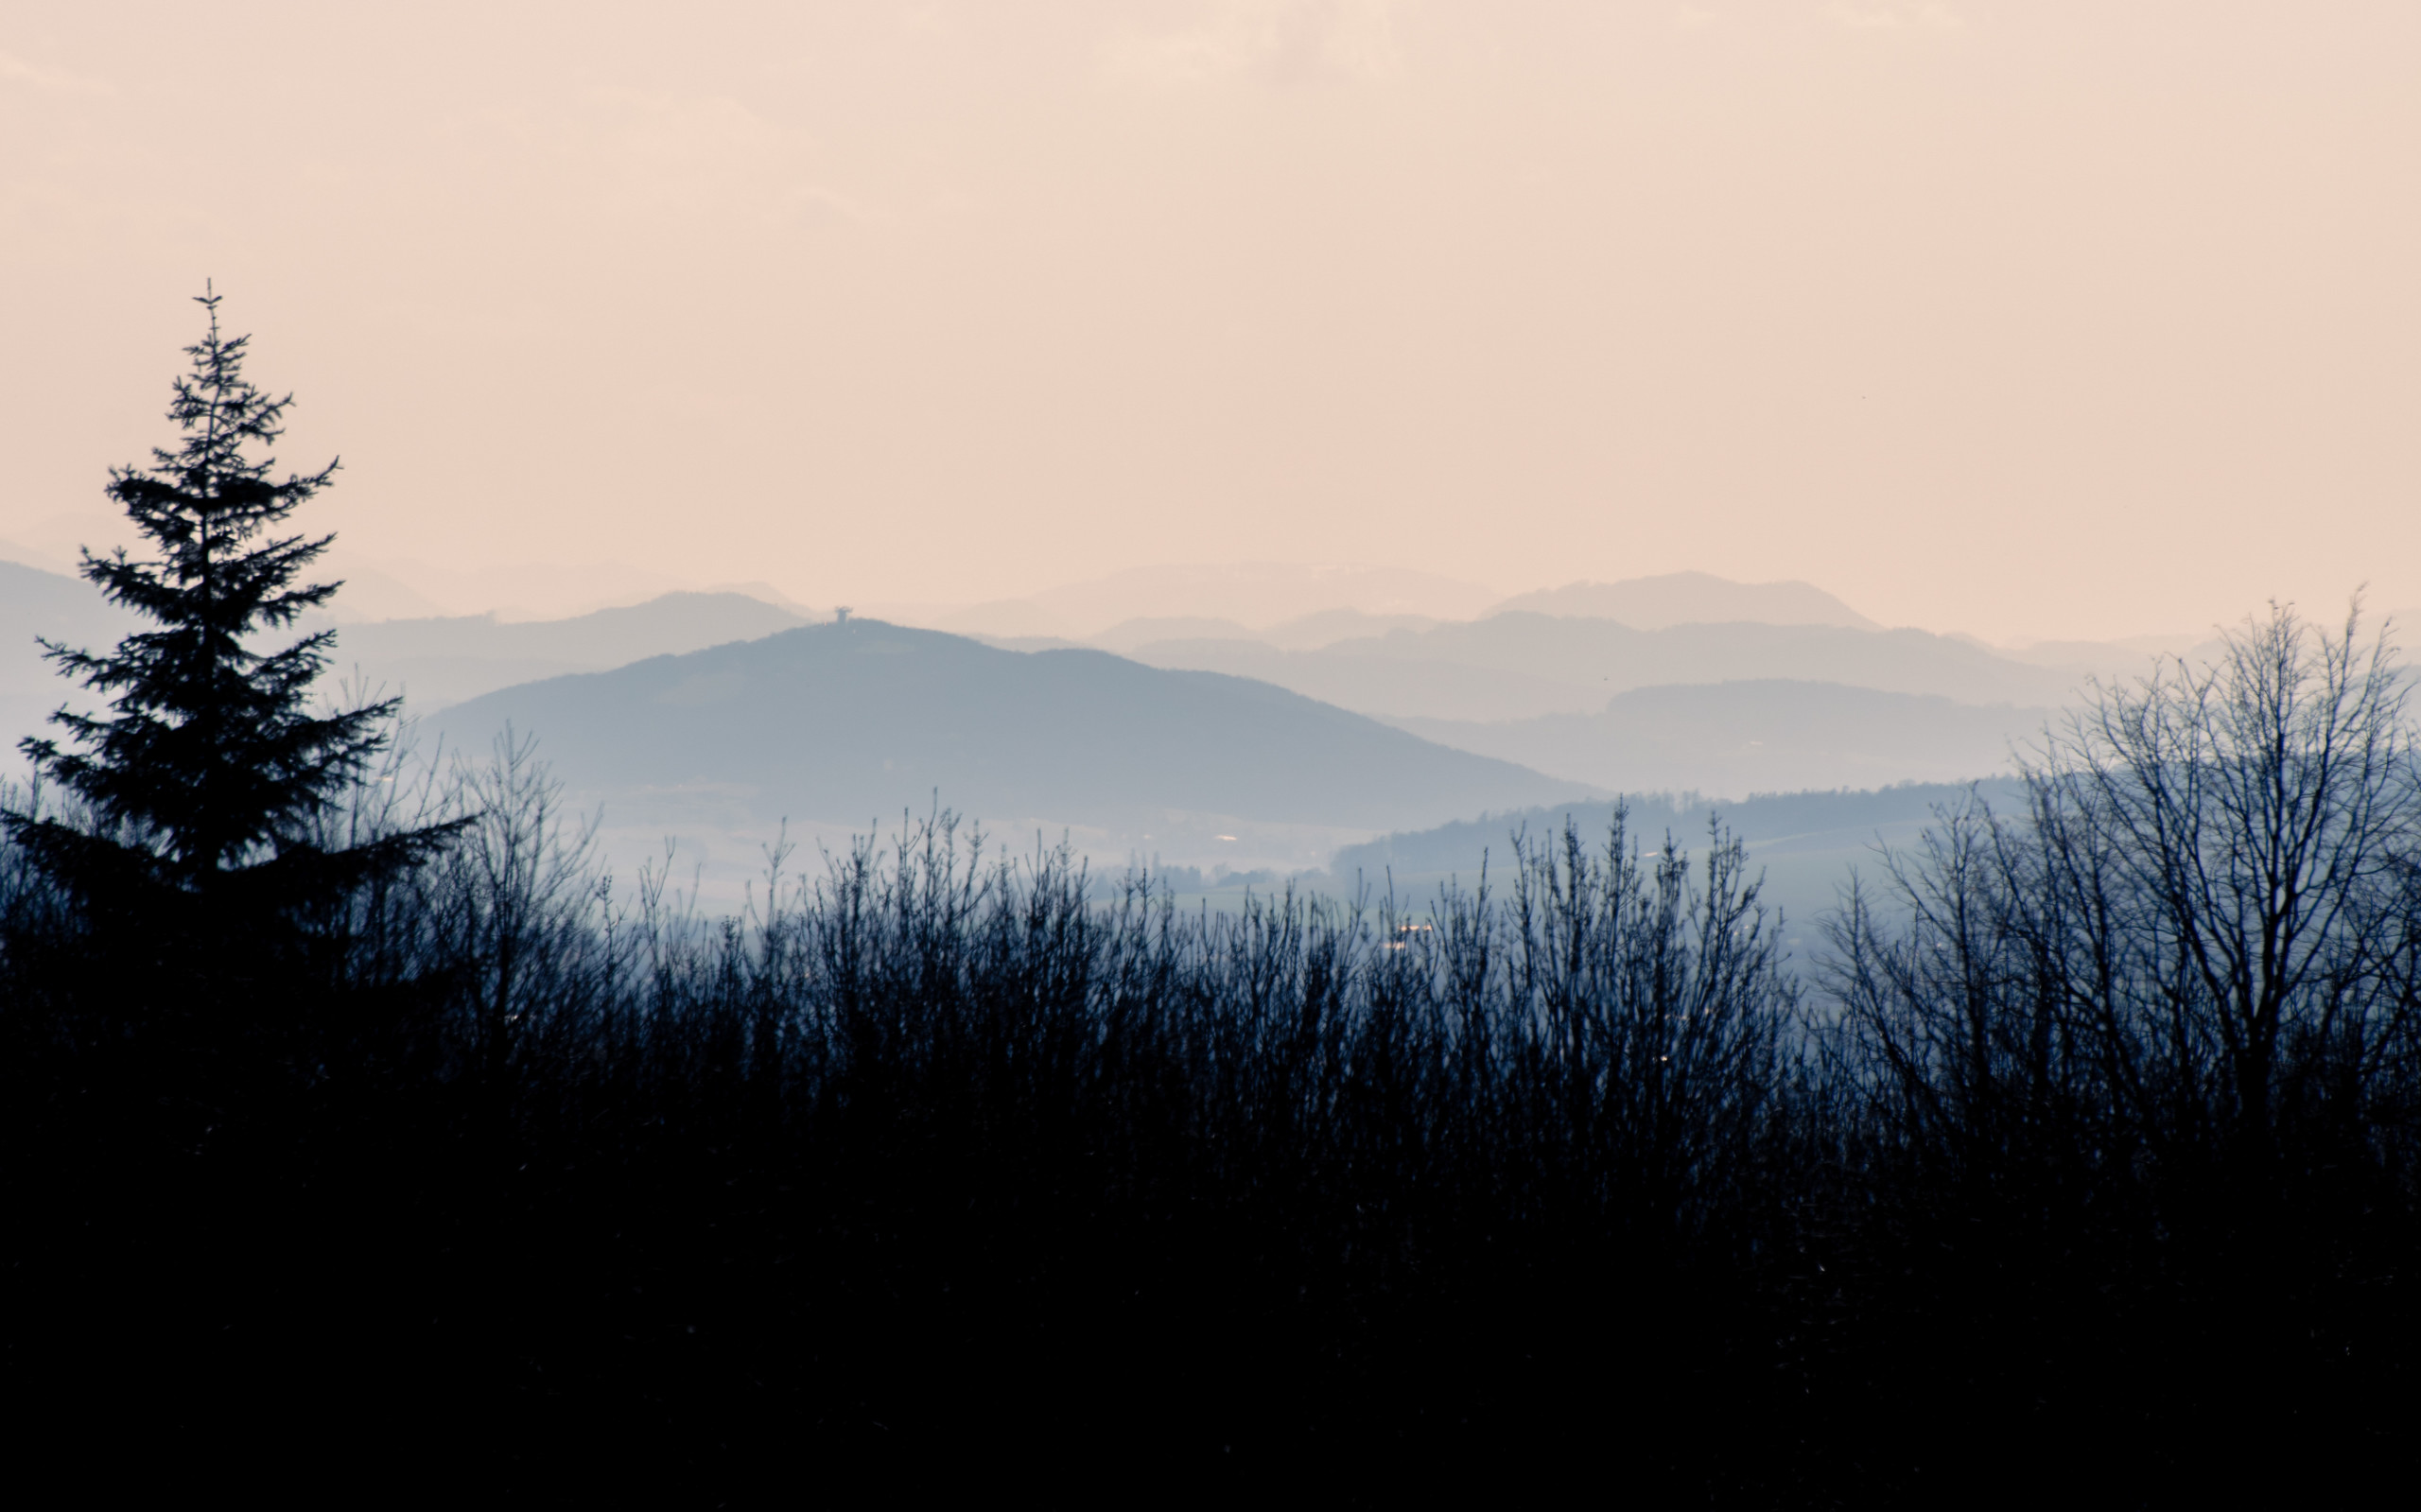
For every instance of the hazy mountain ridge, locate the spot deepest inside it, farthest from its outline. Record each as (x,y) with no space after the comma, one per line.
(441,661)
(1566,650)
(833,725)
(1305,632)
(1758,736)
(433,661)
(1601,639)
(1733,706)
(1690,598)
(1251,593)
(1523,664)
(1739,710)
(1312,632)
(1262,597)
(1383,686)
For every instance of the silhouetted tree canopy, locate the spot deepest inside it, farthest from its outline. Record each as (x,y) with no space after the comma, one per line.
(206,776)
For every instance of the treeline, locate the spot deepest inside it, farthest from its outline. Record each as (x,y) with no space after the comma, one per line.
(1459,847)
(2093,1156)
(1218,878)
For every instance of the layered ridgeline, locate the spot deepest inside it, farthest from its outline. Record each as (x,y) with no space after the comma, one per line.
(1254,600)
(435,662)
(1794,691)
(1768,735)
(432,662)
(1689,598)
(1521,664)
(1682,681)
(833,727)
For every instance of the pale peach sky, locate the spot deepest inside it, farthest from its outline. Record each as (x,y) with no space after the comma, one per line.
(2028,319)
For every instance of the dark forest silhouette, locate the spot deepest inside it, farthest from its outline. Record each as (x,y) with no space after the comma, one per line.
(2087,1164)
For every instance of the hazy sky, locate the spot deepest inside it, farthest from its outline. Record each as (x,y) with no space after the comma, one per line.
(2028,319)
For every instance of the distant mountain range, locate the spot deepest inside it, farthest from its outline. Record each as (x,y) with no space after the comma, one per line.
(1258,738)
(836,725)
(437,662)
(1764,735)
(1579,704)
(1304,632)
(1522,665)
(434,661)
(1690,599)
(1252,593)
(1267,600)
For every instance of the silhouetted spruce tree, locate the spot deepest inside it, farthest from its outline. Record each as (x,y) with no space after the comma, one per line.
(204,784)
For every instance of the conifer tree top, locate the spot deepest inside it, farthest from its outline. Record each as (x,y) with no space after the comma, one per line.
(210,759)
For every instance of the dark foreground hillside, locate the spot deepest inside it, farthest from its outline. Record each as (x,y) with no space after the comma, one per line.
(2090,1170)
